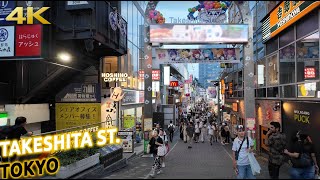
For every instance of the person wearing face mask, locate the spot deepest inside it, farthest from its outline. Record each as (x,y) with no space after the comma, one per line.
(241,147)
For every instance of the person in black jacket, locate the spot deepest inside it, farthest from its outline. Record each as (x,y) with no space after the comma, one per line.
(155,142)
(303,158)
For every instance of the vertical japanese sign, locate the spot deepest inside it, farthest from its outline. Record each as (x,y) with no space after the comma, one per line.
(28,40)
(5,9)
(6,41)
(76,114)
(109,112)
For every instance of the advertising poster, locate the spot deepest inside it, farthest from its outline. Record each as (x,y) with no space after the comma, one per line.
(307,90)
(76,114)
(109,112)
(180,33)
(126,141)
(5,9)
(6,41)
(224,55)
(147,124)
(28,40)
(128,122)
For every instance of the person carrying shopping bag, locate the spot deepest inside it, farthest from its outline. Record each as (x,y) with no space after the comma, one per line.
(241,148)
(157,153)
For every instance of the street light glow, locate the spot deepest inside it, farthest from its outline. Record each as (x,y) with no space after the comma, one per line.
(64,57)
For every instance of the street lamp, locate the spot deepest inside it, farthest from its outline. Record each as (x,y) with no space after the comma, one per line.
(65,57)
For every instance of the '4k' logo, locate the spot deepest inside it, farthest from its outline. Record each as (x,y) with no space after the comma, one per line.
(30,15)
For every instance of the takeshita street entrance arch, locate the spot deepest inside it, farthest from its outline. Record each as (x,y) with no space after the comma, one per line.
(245,17)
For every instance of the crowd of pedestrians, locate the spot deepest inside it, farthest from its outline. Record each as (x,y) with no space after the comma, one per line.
(201,126)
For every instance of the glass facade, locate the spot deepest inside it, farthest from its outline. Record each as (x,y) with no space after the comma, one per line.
(132,12)
(292,61)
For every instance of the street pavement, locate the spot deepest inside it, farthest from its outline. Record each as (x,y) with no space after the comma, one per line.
(202,161)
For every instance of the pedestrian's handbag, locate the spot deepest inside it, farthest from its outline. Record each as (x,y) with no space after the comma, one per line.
(161,150)
(148,149)
(304,160)
(255,167)
(237,152)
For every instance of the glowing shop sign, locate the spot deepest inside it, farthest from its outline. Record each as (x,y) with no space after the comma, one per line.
(110,77)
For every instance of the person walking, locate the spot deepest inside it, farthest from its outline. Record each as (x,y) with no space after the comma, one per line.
(215,131)
(185,134)
(202,130)
(190,131)
(165,140)
(197,131)
(211,133)
(181,129)
(241,147)
(276,141)
(155,143)
(227,134)
(171,129)
(303,158)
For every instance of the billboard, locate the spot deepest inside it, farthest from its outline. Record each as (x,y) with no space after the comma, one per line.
(213,55)
(198,33)
(6,7)
(77,114)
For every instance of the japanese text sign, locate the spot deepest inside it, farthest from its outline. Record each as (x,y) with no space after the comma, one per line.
(77,114)
(309,72)
(28,40)
(155,75)
(285,14)
(6,41)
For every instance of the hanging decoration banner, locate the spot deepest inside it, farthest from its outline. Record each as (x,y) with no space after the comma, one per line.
(199,33)
(285,14)
(222,55)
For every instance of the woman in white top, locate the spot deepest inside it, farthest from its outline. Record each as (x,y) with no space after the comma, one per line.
(197,131)
(211,133)
(164,137)
(242,146)
(202,130)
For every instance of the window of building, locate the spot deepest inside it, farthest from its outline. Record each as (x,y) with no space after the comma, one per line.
(287,64)
(240,80)
(261,73)
(273,92)
(288,91)
(308,58)
(272,70)
(124,10)
(287,36)
(272,45)
(308,90)
(130,22)
(308,24)
(261,92)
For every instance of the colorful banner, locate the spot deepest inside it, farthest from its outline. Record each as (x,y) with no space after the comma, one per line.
(205,33)
(223,55)
(76,114)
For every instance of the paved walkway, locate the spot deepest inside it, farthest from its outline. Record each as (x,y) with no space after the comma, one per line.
(200,162)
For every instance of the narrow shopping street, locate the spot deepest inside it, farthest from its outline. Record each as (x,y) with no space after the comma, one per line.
(202,161)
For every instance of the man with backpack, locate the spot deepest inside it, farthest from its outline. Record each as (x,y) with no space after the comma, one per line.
(171,129)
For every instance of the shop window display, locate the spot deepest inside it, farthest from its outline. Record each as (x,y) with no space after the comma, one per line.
(287,64)
(272,70)
(308,58)
(261,73)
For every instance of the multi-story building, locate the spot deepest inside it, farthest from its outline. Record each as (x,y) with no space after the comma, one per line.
(286,55)
(208,73)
